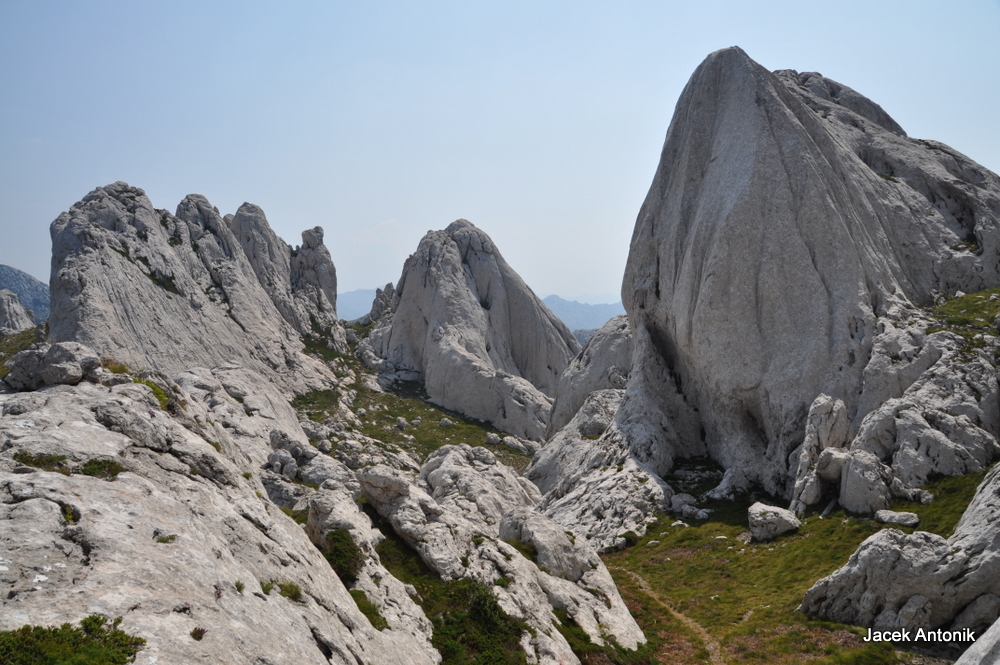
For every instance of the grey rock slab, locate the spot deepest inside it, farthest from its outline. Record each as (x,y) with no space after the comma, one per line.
(897,518)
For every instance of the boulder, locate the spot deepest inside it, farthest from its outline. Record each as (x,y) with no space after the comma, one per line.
(51,364)
(463,322)
(897,518)
(769,522)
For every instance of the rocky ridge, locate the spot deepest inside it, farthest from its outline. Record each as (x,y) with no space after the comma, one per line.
(33,294)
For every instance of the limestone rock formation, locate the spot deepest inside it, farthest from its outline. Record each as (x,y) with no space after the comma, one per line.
(155,290)
(985,650)
(158,516)
(33,294)
(789,216)
(466,325)
(603,363)
(13,316)
(898,581)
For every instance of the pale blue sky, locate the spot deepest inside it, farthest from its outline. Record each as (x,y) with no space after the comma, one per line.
(540,122)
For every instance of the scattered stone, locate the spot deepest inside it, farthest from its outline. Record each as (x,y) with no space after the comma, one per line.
(445,422)
(769,522)
(897,518)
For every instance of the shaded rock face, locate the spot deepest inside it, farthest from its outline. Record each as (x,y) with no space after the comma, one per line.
(899,581)
(464,323)
(166,291)
(13,316)
(788,214)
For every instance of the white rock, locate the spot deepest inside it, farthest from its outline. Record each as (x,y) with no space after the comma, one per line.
(769,522)
(464,323)
(897,518)
(13,316)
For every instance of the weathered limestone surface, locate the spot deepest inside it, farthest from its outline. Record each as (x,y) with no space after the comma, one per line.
(603,363)
(166,292)
(13,316)
(463,322)
(75,545)
(788,215)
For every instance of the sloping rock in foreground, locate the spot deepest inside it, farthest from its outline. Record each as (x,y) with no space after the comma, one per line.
(466,325)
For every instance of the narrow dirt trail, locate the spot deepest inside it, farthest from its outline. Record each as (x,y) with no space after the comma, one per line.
(715,651)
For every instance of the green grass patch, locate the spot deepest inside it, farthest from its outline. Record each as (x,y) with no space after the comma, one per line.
(594,654)
(14,344)
(318,405)
(469,624)
(94,642)
(55,463)
(159,393)
(102,468)
(952,496)
(266,587)
(291,591)
(745,594)
(968,316)
(165,540)
(526,549)
(369,609)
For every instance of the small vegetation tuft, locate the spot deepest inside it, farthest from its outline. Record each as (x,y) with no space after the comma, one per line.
(970,316)
(55,463)
(159,393)
(198,633)
(300,516)
(291,591)
(266,587)
(94,642)
(102,468)
(164,540)
(369,609)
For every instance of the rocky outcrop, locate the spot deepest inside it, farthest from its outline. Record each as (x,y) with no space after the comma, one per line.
(33,294)
(457,516)
(602,364)
(112,505)
(13,316)
(985,650)
(49,365)
(466,325)
(381,304)
(899,581)
(788,216)
(591,481)
(155,290)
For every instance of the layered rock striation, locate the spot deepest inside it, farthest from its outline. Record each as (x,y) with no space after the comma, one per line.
(466,325)
(156,290)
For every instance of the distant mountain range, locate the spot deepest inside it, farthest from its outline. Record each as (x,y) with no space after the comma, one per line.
(32,293)
(576,315)
(581,316)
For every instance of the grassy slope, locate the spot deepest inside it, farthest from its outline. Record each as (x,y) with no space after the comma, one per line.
(745,595)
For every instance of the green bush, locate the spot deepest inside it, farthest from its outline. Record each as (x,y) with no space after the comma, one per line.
(93,643)
(290,590)
(344,555)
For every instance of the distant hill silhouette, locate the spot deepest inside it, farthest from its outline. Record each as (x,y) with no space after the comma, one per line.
(581,316)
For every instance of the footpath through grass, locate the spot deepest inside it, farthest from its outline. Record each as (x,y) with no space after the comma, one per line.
(746,594)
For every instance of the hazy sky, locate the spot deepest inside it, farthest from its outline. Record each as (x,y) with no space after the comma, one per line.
(540,122)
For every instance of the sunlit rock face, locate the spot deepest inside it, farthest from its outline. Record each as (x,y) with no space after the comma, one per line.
(156,290)
(788,219)
(463,322)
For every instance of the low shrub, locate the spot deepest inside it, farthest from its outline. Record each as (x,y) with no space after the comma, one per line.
(92,643)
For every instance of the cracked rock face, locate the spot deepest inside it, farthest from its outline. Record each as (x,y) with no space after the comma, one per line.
(787,215)
(464,323)
(165,292)
(13,316)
